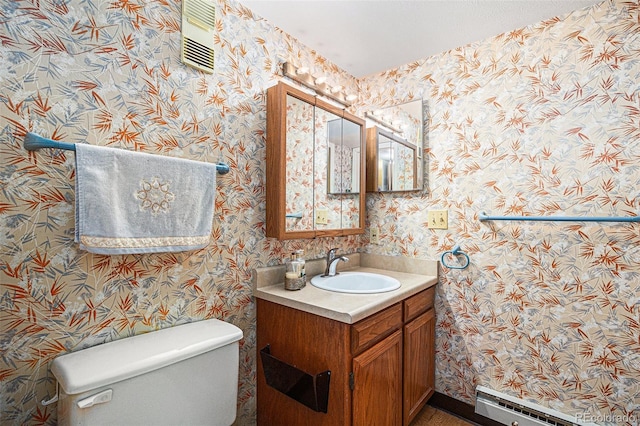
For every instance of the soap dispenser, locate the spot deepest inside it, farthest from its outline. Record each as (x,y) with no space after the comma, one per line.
(295,277)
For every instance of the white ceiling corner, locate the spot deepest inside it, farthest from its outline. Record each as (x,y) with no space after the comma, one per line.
(365,37)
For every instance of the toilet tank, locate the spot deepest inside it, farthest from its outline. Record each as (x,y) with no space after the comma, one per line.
(183,375)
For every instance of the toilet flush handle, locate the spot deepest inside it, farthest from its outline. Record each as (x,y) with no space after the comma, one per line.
(99,398)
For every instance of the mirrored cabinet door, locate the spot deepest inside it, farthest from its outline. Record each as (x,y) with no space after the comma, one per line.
(328,182)
(394,148)
(315,167)
(352,172)
(299,150)
(393,164)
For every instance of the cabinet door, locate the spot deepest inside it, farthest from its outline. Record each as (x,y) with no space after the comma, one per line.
(419,363)
(377,392)
(339,171)
(299,214)
(327,171)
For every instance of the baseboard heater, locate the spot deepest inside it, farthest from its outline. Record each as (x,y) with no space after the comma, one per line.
(510,410)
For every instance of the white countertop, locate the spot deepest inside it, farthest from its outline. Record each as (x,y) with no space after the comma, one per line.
(346,307)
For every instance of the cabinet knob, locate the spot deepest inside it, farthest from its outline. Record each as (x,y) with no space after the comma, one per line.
(514,423)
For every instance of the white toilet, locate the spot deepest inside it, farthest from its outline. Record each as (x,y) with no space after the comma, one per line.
(183,375)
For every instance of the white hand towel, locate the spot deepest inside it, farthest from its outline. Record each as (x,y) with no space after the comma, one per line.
(132,202)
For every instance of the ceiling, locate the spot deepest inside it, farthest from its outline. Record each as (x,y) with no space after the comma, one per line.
(365,37)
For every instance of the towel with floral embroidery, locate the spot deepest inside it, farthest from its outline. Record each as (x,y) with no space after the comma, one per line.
(133,202)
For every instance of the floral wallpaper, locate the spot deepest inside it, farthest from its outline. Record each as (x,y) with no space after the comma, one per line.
(108,72)
(543,120)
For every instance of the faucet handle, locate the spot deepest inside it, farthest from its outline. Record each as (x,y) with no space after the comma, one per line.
(332,253)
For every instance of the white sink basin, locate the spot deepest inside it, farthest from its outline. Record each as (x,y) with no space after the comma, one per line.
(356,282)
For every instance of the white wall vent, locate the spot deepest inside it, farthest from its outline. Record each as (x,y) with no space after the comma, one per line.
(510,410)
(198,28)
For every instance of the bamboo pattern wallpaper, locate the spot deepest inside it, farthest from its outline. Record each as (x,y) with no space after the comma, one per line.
(544,120)
(107,72)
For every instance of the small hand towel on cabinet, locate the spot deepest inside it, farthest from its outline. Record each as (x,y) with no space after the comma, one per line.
(133,202)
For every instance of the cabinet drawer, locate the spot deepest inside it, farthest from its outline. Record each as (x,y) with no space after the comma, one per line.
(419,303)
(374,328)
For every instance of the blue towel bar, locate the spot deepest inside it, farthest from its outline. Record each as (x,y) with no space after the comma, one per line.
(483,216)
(33,142)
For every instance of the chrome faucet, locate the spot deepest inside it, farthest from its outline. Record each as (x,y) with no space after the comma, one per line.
(332,263)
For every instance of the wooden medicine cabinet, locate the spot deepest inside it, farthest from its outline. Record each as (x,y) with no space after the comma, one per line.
(315,173)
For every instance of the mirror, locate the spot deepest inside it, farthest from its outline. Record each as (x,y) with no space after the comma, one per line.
(328,139)
(315,167)
(395,139)
(344,157)
(299,152)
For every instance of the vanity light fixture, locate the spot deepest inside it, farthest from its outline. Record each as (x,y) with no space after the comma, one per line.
(373,117)
(301,75)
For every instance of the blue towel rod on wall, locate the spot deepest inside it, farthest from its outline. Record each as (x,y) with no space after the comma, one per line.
(483,216)
(33,142)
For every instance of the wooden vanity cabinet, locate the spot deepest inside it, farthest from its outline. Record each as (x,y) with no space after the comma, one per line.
(382,367)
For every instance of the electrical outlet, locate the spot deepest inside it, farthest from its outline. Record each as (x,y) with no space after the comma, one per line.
(374,235)
(322,217)
(438,219)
